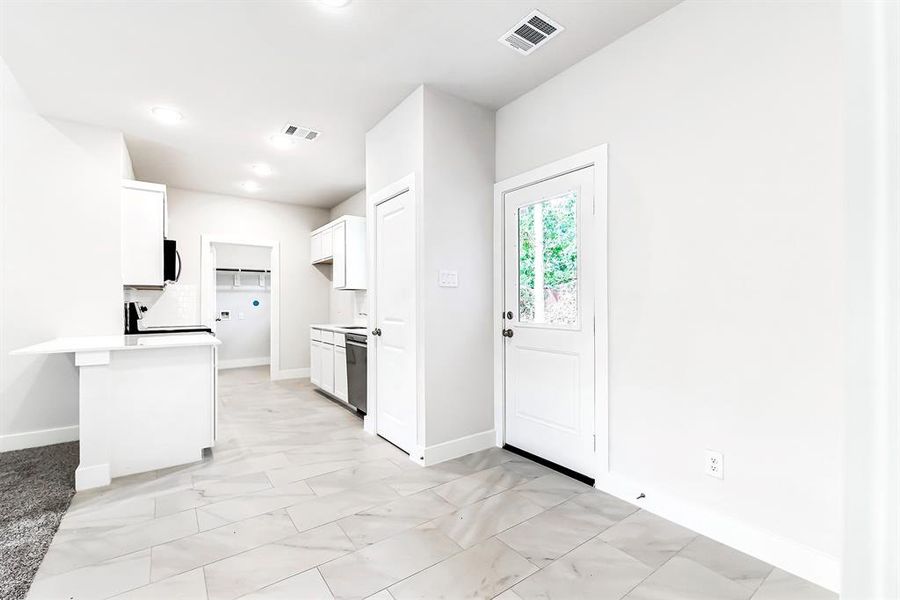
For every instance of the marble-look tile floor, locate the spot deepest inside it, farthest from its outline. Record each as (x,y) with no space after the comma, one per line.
(296,502)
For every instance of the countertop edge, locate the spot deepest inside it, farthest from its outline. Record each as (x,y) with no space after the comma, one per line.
(340,329)
(75,344)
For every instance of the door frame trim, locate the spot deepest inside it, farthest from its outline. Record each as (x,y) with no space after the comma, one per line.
(595,157)
(402,185)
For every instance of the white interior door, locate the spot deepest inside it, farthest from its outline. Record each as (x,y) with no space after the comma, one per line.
(395,282)
(549,327)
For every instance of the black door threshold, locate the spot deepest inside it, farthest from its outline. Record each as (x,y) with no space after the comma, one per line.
(551,465)
(394,445)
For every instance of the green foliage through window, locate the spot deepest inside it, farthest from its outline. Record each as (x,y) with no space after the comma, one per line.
(557,219)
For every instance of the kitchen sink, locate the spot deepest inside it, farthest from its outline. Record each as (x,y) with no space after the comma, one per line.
(353,327)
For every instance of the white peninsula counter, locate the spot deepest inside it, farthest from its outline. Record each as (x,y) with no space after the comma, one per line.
(145,402)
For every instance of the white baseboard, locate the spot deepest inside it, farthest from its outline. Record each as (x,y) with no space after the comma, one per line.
(95,476)
(239,363)
(290,374)
(432,455)
(41,437)
(786,554)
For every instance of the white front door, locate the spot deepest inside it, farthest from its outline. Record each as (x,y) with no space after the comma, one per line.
(549,308)
(394,308)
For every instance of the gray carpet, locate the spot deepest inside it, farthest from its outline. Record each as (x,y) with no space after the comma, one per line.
(36,486)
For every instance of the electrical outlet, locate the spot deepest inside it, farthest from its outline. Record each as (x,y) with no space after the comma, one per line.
(715,464)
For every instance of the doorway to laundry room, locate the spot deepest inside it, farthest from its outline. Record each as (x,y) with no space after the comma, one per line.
(243,314)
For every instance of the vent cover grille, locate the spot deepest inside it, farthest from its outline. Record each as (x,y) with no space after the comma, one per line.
(530,33)
(298,131)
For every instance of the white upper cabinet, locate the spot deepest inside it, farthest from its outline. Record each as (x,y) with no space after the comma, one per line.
(339,261)
(342,243)
(143,231)
(315,247)
(327,243)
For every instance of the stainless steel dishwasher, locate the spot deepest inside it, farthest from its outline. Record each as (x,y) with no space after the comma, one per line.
(356,370)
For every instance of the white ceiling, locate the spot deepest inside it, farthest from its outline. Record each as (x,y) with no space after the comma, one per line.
(239,70)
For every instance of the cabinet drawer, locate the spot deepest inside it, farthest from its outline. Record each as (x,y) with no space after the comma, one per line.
(339,340)
(326,336)
(315,335)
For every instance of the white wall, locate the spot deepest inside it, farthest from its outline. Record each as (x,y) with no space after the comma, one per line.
(61,266)
(458,217)
(245,336)
(304,289)
(107,146)
(241,256)
(355,205)
(726,247)
(448,144)
(394,145)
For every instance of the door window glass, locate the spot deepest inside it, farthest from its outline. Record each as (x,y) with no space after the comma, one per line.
(548,261)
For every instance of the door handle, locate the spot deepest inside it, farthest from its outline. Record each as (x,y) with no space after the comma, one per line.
(376,331)
(507,333)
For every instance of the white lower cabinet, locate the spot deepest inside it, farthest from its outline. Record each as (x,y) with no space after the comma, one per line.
(315,371)
(340,373)
(328,362)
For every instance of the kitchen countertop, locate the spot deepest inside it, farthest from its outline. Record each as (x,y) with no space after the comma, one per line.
(104,343)
(362,329)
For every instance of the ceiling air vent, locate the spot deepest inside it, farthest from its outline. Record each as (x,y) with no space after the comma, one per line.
(530,33)
(298,131)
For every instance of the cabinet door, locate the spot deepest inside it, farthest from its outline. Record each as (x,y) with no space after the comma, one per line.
(340,373)
(327,243)
(326,354)
(315,364)
(143,230)
(339,248)
(356,255)
(315,247)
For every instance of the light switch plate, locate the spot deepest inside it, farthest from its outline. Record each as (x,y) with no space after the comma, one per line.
(448,279)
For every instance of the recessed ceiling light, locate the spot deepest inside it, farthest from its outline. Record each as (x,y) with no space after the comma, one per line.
(261,169)
(166,115)
(334,3)
(281,141)
(250,186)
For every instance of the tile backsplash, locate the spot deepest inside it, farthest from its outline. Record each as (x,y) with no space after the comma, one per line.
(178,304)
